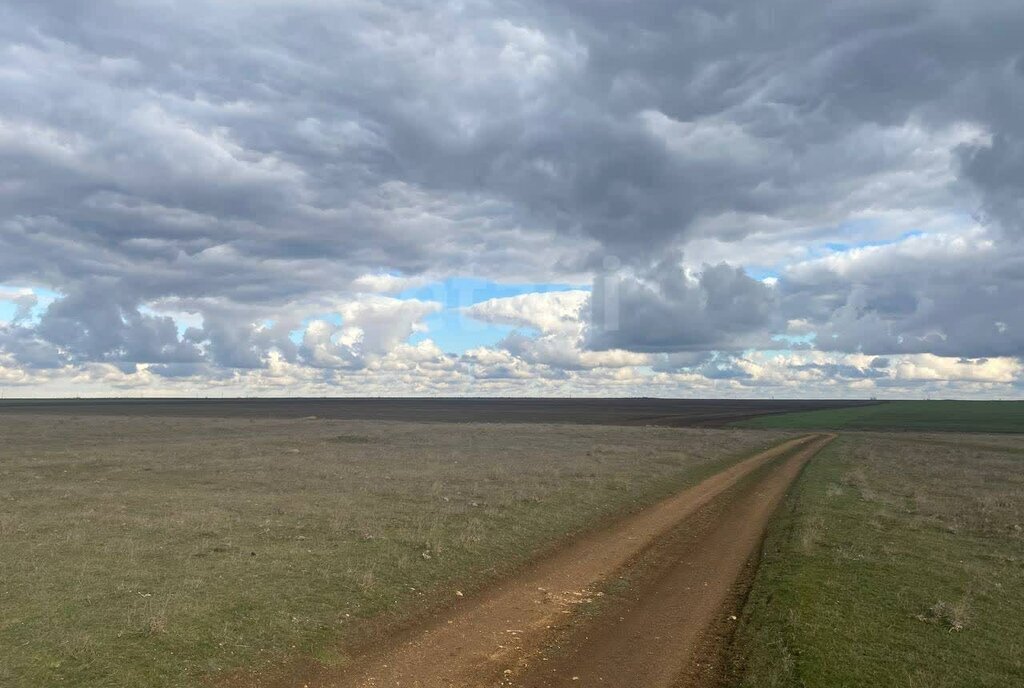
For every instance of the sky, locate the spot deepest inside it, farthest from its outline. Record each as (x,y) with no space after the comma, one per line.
(785,198)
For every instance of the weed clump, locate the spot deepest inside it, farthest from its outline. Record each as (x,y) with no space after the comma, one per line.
(951,616)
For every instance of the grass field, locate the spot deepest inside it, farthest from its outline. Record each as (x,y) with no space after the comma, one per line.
(953,416)
(898,560)
(164,551)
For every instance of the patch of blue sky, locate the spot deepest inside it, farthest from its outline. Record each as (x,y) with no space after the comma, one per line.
(459,292)
(452,330)
(8,307)
(861,233)
(848,236)
(796,339)
(449,328)
(7,311)
(761,273)
(772,353)
(42,293)
(842,247)
(456,334)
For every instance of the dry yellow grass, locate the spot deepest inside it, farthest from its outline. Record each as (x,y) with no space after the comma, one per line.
(162,551)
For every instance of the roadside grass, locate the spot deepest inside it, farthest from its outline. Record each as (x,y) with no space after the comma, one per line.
(953,416)
(897,560)
(168,552)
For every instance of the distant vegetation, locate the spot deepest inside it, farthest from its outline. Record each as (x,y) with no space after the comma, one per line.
(955,416)
(897,561)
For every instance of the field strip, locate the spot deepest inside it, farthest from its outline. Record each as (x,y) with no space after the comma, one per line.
(482,637)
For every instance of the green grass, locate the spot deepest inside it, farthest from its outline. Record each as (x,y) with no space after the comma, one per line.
(893,563)
(162,552)
(953,416)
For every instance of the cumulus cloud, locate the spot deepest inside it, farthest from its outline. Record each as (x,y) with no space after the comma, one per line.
(670,309)
(231,191)
(550,313)
(958,296)
(370,328)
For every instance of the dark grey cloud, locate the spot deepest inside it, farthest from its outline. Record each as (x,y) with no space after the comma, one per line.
(28,349)
(955,297)
(98,329)
(244,162)
(666,309)
(997,170)
(722,367)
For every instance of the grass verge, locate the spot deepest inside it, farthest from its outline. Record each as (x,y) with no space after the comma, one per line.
(894,562)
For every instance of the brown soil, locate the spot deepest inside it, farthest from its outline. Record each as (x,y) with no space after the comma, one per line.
(500,637)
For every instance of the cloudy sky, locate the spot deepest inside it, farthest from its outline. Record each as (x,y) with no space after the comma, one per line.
(550,197)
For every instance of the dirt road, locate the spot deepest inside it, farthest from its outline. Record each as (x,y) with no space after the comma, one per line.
(672,627)
(502,637)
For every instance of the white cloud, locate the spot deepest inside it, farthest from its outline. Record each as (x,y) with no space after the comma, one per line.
(558,312)
(371,327)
